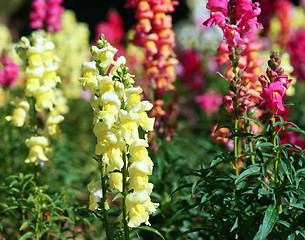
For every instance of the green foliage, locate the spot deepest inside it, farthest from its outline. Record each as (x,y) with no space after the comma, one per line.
(265,201)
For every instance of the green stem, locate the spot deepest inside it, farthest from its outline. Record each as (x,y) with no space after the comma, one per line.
(275,152)
(125,172)
(34,121)
(251,148)
(276,163)
(7,136)
(236,148)
(104,201)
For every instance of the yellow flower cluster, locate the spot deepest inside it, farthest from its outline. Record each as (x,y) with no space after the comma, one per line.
(5,37)
(118,114)
(41,82)
(72,48)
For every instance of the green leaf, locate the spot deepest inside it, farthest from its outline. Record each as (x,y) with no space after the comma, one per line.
(26,236)
(288,168)
(252,170)
(235,225)
(196,185)
(270,218)
(24,225)
(119,195)
(291,236)
(286,224)
(150,229)
(293,129)
(265,144)
(216,161)
(300,232)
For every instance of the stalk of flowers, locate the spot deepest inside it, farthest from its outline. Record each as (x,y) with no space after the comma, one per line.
(237,20)
(72,48)
(275,86)
(46,15)
(154,34)
(118,114)
(40,101)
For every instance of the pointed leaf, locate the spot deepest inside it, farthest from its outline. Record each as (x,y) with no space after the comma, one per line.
(287,167)
(235,225)
(26,236)
(150,229)
(252,170)
(24,225)
(270,218)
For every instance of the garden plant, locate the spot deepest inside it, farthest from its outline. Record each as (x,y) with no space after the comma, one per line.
(175,127)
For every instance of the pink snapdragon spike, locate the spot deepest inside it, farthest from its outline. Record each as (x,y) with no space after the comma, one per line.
(46,14)
(210,102)
(275,86)
(38,15)
(53,19)
(274,97)
(242,16)
(9,73)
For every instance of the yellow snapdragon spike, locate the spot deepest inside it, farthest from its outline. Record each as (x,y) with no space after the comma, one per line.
(118,115)
(72,48)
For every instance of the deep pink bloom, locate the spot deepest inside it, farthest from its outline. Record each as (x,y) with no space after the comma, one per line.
(296,49)
(191,69)
(231,34)
(219,11)
(209,102)
(9,73)
(46,14)
(274,97)
(113,30)
(39,13)
(283,79)
(228,102)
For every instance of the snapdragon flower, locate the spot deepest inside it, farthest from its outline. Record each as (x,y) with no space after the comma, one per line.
(118,114)
(40,89)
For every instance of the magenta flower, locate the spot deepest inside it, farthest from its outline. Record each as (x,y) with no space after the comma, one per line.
(39,13)
(219,11)
(283,79)
(46,14)
(9,73)
(228,102)
(273,95)
(209,102)
(231,34)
